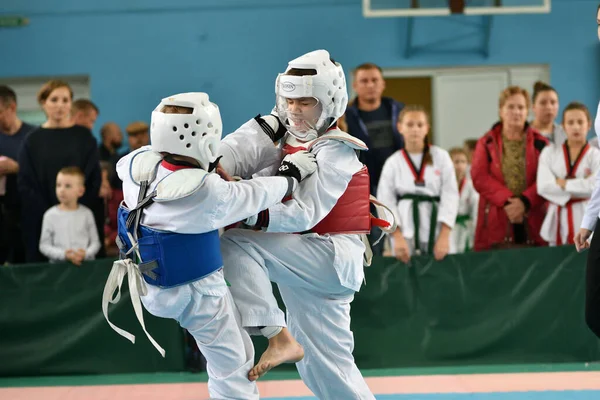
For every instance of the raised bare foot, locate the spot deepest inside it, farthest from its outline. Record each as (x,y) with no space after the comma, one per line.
(283,348)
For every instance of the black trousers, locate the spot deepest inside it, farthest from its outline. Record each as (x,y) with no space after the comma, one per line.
(592,284)
(12,248)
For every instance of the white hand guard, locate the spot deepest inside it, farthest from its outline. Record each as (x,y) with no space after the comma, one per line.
(298,165)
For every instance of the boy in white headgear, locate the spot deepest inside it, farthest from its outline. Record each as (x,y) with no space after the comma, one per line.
(318,267)
(174,205)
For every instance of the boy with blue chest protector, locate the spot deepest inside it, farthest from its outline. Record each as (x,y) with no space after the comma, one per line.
(174,204)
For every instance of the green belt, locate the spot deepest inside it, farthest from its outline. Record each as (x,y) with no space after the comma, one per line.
(416,200)
(462,220)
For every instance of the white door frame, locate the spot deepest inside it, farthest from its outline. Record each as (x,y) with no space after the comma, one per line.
(398,72)
(433,72)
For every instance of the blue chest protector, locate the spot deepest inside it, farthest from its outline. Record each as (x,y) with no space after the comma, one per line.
(167,259)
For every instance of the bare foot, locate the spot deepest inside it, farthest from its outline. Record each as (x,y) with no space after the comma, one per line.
(283,348)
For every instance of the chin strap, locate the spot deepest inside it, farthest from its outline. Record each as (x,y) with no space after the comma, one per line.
(172,160)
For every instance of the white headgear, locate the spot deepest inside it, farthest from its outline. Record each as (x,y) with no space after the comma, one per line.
(196,135)
(328,86)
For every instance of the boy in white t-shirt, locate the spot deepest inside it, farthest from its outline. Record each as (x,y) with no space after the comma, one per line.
(68,228)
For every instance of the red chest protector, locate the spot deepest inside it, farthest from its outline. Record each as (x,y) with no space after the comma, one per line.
(351,213)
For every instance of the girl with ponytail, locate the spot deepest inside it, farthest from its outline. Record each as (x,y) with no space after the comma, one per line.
(419,185)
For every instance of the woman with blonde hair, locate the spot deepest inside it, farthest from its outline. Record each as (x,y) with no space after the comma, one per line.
(504,172)
(56,144)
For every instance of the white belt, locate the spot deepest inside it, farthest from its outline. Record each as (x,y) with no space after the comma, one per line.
(137,285)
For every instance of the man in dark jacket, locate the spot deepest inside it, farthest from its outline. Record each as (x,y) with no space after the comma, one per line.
(13,132)
(372,119)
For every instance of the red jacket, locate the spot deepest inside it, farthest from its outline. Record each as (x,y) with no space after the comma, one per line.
(493,226)
(110,229)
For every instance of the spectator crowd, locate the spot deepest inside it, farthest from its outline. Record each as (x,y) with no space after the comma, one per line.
(521,183)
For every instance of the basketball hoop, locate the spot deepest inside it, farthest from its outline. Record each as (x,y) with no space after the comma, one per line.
(457,6)
(444,8)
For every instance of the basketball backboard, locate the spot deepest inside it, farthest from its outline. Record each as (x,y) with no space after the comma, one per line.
(437,8)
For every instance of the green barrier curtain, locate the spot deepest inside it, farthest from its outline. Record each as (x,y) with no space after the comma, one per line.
(512,306)
(51,323)
(517,306)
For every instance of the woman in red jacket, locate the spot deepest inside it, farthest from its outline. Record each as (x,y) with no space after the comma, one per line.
(504,173)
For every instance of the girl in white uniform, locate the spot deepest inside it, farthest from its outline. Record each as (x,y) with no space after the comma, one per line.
(419,184)
(567,177)
(463,234)
(173,206)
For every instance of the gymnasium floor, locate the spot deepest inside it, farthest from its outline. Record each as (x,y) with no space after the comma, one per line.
(515,382)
